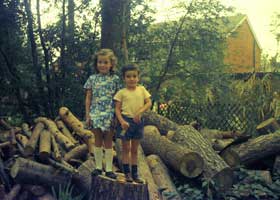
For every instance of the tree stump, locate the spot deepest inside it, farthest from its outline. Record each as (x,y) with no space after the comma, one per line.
(104,188)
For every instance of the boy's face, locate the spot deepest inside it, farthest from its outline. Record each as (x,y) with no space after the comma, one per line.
(131,78)
(103,64)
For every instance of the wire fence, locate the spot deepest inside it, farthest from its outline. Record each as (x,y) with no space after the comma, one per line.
(220,116)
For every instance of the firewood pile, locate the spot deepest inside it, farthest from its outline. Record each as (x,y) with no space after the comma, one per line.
(35,157)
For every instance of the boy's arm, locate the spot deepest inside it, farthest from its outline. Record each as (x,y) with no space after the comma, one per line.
(147,105)
(123,123)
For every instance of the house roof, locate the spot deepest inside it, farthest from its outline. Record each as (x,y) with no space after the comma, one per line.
(233,22)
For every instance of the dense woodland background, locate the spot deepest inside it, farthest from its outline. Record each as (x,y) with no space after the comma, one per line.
(46,51)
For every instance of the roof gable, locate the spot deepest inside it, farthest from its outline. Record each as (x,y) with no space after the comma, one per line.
(234,22)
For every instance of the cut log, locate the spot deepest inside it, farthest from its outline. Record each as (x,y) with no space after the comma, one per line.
(162,178)
(230,157)
(60,138)
(31,172)
(71,121)
(32,142)
(47,196)
(78,152)
(36,190)
(56,154)
(61,126)
(263,175)
(220,144)
(276,165)
(214,166)
(90,144)
(268,126)
(45,145)
(83,179)
(4,176)
(22,139)
(257,148)
(162,123)
(218,134)
(146,174)
(104,188)
(186,161)
(63,166)
(12,195)
(26,130)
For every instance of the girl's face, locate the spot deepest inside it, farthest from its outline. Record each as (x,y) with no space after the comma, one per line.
(131,79)
(103,64)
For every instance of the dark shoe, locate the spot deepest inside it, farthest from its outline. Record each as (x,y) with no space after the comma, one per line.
(96,172)
(137,179)
(111,175)
(128,178)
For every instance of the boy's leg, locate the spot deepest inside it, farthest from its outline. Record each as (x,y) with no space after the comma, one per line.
(98,152)
(109,155)
(134,158)
(125,159)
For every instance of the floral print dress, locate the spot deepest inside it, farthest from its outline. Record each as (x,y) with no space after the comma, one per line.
(102,109)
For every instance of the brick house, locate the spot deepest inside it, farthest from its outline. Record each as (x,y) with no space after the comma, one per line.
(243,53)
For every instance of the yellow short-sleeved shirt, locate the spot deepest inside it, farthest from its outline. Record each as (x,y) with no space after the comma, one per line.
(132,100)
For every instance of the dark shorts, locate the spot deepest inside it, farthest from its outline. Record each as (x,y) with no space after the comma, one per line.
(134,131)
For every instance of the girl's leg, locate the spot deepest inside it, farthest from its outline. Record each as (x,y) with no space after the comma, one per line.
(134,158)
(108,140)
(98,152)
(125,159)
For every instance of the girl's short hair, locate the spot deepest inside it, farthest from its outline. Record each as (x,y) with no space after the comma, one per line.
(110,54)
(130,67)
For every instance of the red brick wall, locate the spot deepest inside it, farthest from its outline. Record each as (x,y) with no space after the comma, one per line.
(240,50)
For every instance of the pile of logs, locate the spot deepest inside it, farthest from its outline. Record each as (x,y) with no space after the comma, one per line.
(55,152)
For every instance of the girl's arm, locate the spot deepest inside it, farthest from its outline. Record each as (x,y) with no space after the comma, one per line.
(87,105)
(147,105)
(118,112)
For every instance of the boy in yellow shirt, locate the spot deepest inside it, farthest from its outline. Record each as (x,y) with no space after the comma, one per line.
(130,103)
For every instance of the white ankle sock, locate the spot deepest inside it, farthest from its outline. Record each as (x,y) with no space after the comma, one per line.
(109,159)
(98,155)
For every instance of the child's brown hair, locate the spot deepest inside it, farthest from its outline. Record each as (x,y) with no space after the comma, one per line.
(110,54)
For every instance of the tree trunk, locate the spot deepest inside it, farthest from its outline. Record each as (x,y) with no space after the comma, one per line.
(83,179)
(12,195)
(143,170)
(31,144)
(45,145)
(162,123)
(104,188)
(78,152)
(62,139)
(61,126)
(257,148)
(31,172)
(47,61)
(145,173)
(114,25)
(56,154)
(214,166)
(36,65)
(161,176)
(188,162)
(268,126)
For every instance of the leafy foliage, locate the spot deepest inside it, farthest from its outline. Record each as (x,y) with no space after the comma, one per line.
(65,192)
